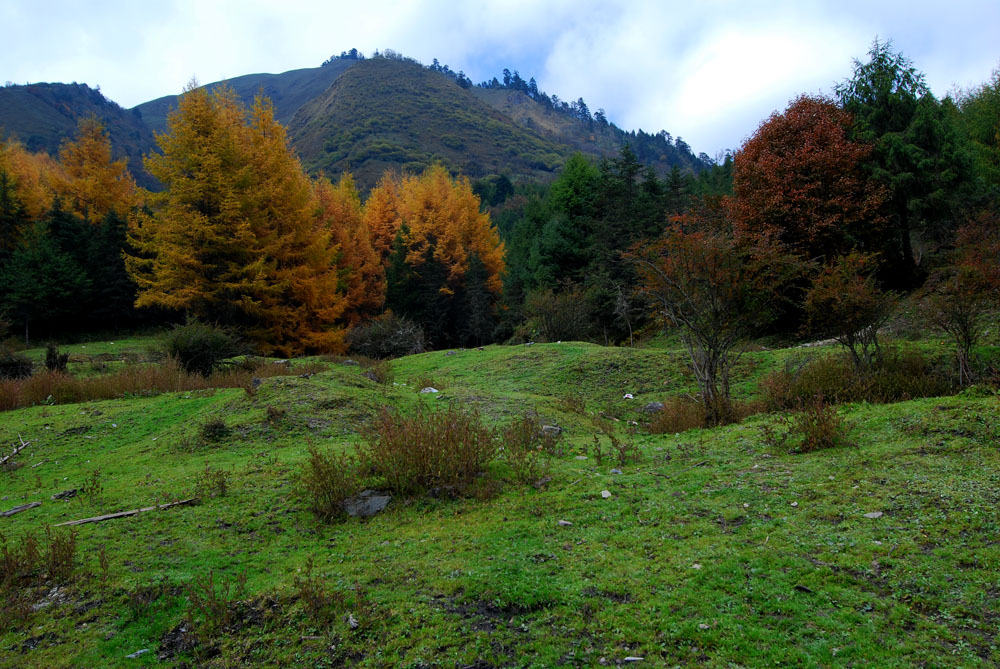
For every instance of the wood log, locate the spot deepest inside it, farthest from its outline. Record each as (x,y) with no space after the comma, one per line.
(19,509)
(17,449)
(123,514)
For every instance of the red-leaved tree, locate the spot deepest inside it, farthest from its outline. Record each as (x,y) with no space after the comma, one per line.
(800,179)
(717,291)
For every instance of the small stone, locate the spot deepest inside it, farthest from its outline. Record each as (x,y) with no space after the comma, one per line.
(137,653)
(745,505)
(703,626)
(451,352)
(564,523)
(350,362)
(616,471)
(628,396)
(653,407)
(874,514)
(429,391)
(878,543)
(795,503)
(553,430)
(696,566)
(366,504)
(352,622)
(581,457)
(605,494)
(633,658)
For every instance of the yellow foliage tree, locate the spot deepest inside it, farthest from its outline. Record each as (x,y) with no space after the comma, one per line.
(443,222)
(381,216)
(361,272)
(32,175)
(92,185)
(233,237)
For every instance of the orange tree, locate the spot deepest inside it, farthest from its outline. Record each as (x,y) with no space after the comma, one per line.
(233,237)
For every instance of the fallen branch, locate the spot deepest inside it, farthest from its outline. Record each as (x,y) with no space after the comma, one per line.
(17,449)
(697,464)
(123,514)
(19,509)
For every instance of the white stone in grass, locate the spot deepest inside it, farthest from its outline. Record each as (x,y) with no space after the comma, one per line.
(703,626)
(605,494)
(564,523)
(696,566)
(874,514)
(795,503)
(428,390)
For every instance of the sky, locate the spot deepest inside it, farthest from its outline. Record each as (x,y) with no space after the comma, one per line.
(709,71)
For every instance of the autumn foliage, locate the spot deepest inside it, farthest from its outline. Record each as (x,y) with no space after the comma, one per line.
(800,178)
(234,237)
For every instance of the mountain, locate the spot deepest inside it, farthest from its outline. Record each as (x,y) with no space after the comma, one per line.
(288,91)
(366,116)
(43,115)
(387,113)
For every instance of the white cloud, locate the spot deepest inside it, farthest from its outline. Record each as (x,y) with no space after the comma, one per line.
(706,71)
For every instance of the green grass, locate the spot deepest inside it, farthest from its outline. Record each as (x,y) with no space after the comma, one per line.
(715,549)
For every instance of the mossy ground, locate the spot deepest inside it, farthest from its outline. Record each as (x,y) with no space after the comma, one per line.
(715,549)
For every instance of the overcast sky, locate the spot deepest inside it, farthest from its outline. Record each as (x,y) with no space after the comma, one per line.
(707,71)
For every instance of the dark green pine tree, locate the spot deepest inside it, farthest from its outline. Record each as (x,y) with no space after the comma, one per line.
(12,217)
(918,155)
(41,285)
(476,306)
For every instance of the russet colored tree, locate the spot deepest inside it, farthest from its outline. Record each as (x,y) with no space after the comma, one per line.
(801,179)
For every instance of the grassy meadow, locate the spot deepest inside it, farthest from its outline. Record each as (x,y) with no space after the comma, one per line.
(711,547)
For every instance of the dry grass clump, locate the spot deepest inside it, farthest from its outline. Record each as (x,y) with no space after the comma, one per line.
(59,388)
(442,450)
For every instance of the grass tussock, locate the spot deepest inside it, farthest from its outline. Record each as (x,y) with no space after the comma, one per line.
(897,377)
(60,388)
(326,481)
(441,450)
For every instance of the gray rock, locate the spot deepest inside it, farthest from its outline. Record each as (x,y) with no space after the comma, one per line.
(137,653)
(653,407)
(564,523)
(874,514)
(366,504)
(428,390)
(65,494)
(554,430)
(370,376)
(616,471)
(350,362)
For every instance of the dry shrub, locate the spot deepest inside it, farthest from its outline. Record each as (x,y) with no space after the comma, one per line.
(215,604)
(326,481)
(525,447)
(897,377)
(25,562)
(444,450)
(13,365)
(379,371)
(56,388)
(679,414)
(819,426)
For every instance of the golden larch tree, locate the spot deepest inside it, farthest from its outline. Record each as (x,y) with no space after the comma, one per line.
(233,237)
(92,185)
(361,272)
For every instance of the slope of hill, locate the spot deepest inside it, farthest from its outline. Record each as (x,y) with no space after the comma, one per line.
(43,115)
(706,548)
(590,138)
(288,91)
(386,113)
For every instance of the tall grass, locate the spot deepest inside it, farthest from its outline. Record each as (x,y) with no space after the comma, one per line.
(60,388)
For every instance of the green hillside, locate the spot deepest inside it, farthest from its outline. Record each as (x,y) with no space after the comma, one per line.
(712,547)
(288,91)
(43,115)
(385,113)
